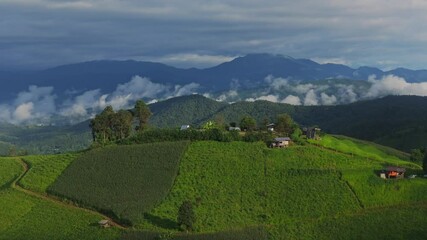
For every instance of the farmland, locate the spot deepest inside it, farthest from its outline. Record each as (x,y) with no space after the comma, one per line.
(123,181)
(239,191)
(29,217)
(44,169)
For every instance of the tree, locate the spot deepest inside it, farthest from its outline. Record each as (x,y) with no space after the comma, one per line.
(143,113)
(417,155)
(425,162)
(101,125)
(186,216)
(122,124)
(285,124)
(248,123)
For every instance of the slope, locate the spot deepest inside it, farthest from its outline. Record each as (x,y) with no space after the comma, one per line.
(122,181)
(25,216)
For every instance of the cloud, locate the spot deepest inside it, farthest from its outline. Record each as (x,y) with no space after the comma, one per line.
(311,98)
(35,104)
(43,33)
(392,85)
(125,95)
(327,100)
(291,99)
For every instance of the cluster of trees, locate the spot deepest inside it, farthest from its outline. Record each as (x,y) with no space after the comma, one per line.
(419,155)
(111,126)
(284,124)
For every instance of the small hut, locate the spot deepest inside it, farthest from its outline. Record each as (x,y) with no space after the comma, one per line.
(395,172)
(184,127)
(281,142)
(270,127)
(104,223)
(311,132)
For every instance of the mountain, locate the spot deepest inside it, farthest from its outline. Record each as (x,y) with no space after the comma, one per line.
(396,121)
(249,70)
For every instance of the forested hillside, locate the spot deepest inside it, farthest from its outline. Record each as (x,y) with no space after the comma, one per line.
(397,121)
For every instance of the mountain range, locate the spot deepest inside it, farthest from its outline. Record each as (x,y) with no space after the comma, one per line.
(72,93)
(395,121)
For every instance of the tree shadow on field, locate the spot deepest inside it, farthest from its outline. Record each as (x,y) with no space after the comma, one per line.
(161,222)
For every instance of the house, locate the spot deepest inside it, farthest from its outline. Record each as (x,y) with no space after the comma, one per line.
(104,223)
(234,129)
(395,172)
(270,127)
(311,132)
(280,142)
(184,127)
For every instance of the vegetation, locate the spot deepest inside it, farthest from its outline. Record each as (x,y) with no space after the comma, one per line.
(285,125)
(9,171)
(122,181)
(248,123)
(142,113)
(44,170)
(186,216)
(27,217)
(396,121)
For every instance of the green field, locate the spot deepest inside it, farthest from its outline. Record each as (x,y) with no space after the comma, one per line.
(122,181)
(365,149)
(44,169)
(23,216)
(240,190)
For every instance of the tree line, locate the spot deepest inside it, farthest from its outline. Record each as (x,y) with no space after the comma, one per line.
(111,126)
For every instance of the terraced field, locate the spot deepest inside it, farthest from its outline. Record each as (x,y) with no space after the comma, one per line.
(240,191)
(122,181)
(25,216)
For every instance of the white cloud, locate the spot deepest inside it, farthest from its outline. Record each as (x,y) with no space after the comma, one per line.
(125,95)
(291,99)
(392,85)
(311,98)
(23,112)
(328,100)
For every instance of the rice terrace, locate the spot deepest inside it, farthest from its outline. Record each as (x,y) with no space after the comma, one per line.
(236,185)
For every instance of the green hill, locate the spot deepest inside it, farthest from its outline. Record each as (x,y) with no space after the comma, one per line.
(123,181)
(396,121)
(329,189)
(25,215)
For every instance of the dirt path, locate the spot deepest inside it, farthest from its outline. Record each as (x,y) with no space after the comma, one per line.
(15,185)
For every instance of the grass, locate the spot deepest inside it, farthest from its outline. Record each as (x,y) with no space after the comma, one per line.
(376,192)
(26,217)
(365,149)
(239,190)
(123,181)
(239,184)
(10,169)
(401,222)
(44,170)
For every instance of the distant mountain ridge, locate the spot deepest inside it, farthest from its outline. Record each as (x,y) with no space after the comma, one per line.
(250,70)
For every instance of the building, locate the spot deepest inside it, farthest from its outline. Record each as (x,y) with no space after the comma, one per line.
(311,132)
(395,172)
(104,223)
(184,127)
(270,127)
(234,129)
(281,142)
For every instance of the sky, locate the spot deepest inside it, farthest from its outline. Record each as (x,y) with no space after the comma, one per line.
(37,34)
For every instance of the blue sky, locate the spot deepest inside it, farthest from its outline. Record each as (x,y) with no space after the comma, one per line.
(37,34)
